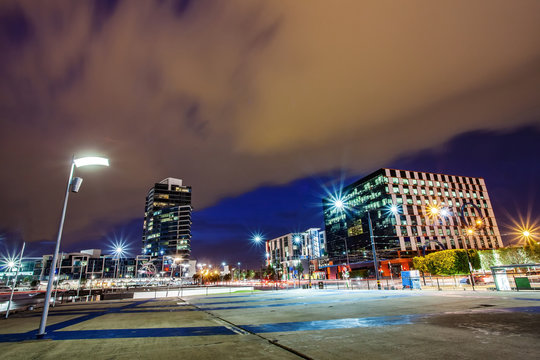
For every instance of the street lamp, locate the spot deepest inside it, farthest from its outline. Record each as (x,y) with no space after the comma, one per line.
(118,253)
(11,264)
(340,205)
(74,184)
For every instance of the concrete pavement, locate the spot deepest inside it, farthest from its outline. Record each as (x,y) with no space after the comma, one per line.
(317,324)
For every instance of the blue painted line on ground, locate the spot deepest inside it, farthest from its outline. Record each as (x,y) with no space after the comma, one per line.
(348,298)
(92,315)
(18,337)
(121,333)
(270,295)
(526,309)
(123,311)
(349,323)
(141,333)
(208,306)
(528,299)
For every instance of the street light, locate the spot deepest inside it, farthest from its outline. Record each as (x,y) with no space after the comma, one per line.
(340,205)
(73,183)
(119,248)
(11,265)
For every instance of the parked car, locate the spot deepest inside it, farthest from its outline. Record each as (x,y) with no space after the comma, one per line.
(478,279)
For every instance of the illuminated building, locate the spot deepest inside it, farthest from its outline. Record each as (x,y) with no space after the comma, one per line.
(411,212)
(167,220)
(288,251)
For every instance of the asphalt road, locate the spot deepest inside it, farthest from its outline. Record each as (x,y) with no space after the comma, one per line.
(294,324)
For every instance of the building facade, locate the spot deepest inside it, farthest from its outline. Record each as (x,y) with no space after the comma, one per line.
(167,220)
(92,264)
(410,212)
(288,251)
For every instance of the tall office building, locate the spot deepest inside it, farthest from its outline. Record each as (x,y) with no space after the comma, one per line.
(410,212)
(167,220)
(291,249)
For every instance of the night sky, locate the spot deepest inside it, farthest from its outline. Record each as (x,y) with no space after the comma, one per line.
(259,106)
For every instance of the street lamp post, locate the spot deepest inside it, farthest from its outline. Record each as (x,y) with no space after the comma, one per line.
(74,184)
(393,209)
(82,263)
(15,280)
(375,263)
(470,229)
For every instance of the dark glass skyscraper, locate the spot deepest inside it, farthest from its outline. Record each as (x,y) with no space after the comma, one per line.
(167,220)
(430,211)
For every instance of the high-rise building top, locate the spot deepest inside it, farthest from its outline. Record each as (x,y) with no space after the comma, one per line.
(430,211)
(167,220)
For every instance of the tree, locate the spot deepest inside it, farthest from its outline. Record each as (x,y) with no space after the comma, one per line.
(512,255)
(269,272)
(532,250)
(487,259)
(419,263)
(300,269)
(448,262)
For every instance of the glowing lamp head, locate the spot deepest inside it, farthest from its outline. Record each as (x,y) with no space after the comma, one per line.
(338,204)
(526,233)
(91,160)
(11,264)
(297,239)
(479,222)
(257,239)
(470,231)
(434,210)
(394,209)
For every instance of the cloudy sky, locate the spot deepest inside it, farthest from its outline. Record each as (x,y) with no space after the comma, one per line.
(243,97)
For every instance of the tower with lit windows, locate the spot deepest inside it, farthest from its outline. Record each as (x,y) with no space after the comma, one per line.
(167,220)
(410,211)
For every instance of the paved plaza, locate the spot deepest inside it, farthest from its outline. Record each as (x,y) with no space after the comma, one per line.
(293,324)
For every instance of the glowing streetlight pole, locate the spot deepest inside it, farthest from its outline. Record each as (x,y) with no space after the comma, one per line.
(74,163)
(119,252)
(339,204)
(15,279)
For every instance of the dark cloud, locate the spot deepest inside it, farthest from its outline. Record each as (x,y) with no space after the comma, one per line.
(102,11)
(233,95)
(15,27)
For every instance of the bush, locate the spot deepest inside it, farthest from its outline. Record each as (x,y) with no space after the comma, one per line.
(532,250)
(419,263)
(512,255)
(447,262)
